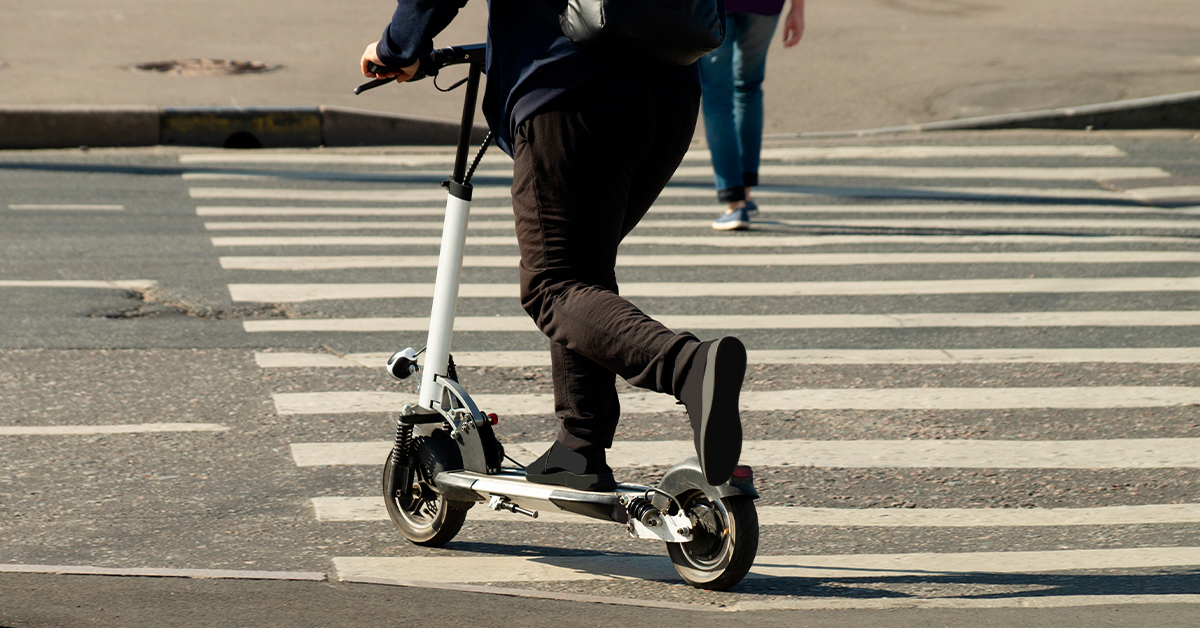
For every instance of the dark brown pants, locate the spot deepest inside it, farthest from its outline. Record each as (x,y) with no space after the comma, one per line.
(587,168)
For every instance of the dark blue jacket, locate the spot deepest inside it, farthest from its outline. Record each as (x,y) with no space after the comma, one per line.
(529,61)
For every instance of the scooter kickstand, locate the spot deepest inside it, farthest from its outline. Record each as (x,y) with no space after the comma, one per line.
(503,503)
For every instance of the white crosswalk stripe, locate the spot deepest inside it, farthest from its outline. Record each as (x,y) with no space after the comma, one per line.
(372,509)
(1171,355)
(683,241)
(1162,453)
(504,225)
(909,172)
(834,152)
(334,262)
(293,293)
(1105,318)
(1094,397)
(1049,217)
(707,210)
(84,430)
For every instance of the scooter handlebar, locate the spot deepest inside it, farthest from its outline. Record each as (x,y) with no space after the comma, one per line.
(430,64)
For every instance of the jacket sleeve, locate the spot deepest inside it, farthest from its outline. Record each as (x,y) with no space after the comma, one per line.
(414,24)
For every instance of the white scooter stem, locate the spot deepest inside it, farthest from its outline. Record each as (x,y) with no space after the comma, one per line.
(445,297)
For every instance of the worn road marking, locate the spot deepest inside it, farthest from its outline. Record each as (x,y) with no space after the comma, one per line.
(123,284)
(68,207)
(1152,453)
(1180,318)
(372,509)
(152,572)
(78,430)
(1165,193)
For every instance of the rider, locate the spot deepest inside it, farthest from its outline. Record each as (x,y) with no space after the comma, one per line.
(593,142)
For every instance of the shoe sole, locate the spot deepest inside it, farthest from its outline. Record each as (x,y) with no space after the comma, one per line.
(720,444)
(592,482)
(735,225)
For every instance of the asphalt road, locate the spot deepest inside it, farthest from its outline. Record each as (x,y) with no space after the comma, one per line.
(1080,247)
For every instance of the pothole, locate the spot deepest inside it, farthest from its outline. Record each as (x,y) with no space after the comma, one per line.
(155,302)
(206,67)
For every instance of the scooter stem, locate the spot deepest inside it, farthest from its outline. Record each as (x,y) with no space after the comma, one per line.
(445,297)
(454,240)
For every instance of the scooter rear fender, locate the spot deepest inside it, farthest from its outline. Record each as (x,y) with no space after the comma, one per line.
(687,476)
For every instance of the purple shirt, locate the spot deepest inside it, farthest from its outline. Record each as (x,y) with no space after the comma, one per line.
(761,7)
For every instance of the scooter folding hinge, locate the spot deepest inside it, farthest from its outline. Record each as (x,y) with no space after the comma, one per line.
(673,529)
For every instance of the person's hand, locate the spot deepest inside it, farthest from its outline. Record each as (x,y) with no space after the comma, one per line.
(793,24)
(370,55)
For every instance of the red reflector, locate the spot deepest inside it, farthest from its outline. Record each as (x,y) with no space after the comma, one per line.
(493,419)
(743,472)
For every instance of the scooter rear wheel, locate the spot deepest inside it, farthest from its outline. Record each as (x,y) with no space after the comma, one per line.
(424,516)
(724,541)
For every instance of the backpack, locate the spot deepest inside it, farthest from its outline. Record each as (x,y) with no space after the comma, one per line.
(677,32)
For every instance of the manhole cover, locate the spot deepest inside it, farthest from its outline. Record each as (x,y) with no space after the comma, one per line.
(206,67)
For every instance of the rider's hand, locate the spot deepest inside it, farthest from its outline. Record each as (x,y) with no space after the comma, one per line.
(371,56)
(793,24)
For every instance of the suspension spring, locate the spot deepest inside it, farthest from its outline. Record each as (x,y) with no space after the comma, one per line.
(641,509)
(402,449)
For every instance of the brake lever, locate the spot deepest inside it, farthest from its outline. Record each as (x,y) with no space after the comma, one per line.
(376,68)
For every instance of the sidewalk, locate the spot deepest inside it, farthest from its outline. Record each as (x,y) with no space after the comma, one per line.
(862,64)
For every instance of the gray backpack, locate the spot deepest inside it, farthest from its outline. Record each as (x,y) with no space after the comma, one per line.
(677,32)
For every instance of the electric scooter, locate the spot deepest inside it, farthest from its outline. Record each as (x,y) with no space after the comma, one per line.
(446,457)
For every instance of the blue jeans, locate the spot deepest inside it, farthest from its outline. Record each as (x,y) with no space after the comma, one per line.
(732,77)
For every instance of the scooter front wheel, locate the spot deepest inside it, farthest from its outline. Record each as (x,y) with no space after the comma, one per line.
(423,515)
(724,541)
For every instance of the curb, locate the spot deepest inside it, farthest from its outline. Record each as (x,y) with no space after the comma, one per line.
(31,127)
(1173,111)
(227,127)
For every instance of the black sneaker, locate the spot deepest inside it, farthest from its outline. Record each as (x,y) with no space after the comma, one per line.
(710,392)
(582,471)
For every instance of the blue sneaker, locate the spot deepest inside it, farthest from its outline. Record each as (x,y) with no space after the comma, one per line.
(736,220)
(751,209)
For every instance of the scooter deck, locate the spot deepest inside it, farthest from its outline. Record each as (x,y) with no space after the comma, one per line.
(511,483)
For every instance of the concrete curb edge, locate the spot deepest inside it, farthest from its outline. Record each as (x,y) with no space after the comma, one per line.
(34,127)
(1172,111)
(27,127)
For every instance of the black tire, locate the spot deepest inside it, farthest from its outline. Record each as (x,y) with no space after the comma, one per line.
(425,517)
(723,546)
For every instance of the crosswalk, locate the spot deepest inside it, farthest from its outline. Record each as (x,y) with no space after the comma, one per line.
(1032,264)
